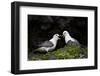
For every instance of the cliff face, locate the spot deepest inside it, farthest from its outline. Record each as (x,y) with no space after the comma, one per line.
(41,28)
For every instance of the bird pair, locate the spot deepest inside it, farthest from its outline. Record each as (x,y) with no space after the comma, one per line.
(51,44)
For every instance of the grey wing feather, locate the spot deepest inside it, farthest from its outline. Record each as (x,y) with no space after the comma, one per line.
(75,43)
(46,44)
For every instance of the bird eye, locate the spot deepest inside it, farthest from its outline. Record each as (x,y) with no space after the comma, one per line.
(57,35)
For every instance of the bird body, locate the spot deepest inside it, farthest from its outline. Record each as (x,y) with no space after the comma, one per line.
(49,45)
(69,40)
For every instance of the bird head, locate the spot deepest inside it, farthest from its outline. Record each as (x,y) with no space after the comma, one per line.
(65,33)
(56,36)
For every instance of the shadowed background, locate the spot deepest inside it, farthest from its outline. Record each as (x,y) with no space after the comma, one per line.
(41,28)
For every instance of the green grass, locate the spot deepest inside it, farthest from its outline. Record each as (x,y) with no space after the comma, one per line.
(67,52)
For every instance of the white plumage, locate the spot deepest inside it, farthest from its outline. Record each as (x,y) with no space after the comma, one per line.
(49,45)
(69,40)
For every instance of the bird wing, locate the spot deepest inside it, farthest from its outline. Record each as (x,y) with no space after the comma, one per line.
(46,44)
(75,43)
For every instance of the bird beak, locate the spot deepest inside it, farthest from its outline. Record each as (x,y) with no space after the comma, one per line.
(58,37)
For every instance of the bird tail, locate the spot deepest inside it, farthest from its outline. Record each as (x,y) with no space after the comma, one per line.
(39,50)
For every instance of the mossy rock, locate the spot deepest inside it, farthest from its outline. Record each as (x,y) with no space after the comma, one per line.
(67,52)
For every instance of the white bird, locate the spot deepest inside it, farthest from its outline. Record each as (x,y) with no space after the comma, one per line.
(49,45)
(69,40)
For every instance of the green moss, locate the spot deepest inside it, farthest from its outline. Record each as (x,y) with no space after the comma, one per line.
(67,52)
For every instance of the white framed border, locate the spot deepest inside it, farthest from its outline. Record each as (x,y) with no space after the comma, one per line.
(24,64)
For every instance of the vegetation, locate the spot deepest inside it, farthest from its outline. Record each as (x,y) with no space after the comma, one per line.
(67,52)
